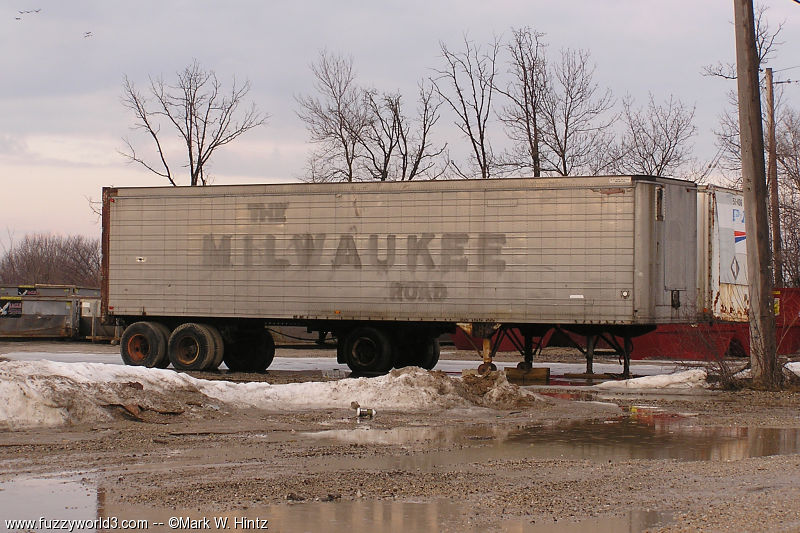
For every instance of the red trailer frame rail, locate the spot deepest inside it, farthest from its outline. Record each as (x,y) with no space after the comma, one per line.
(695,342)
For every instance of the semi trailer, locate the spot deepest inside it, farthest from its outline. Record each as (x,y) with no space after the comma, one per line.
(722,295)
(197,275)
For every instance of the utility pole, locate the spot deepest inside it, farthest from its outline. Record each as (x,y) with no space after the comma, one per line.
(772,181)
(763,356)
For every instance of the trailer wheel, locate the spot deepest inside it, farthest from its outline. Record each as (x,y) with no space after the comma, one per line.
(252,351)
(143,344)
(164,363)
(367,349)
(219,348)
(191,347)
(423,353)
(429,353)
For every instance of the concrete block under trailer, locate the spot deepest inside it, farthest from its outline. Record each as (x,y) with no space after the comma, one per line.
(195,273)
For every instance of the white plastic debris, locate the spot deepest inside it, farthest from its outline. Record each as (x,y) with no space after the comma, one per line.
(689,379)
(794,368)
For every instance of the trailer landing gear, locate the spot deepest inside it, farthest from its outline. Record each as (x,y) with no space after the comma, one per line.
(619,338)
(534,338)
(488,354)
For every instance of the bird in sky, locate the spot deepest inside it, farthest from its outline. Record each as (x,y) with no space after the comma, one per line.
(87,34)
(27,12)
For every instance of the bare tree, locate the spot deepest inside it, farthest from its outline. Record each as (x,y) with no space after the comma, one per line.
(788,157)
(528,71)
(381,136)
(470,74)
(198,109)
(364,134)
(656,138)
(573,108)
(788,147)
(727,137)
(727,132)
(336,120)
(790,234)
(52,259)
(397,148)
(418,154)
(767,44)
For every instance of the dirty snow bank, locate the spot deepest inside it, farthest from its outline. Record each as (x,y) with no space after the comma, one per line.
(794,368)
(46,393)
(689,379)
(790,370)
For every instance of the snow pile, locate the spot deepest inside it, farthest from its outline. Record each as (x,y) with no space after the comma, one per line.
(688,379)
(409,388)
(493,390)
(794,368)
(46,393)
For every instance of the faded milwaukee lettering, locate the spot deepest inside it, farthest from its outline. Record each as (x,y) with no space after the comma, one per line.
(273,212)
(448,252)
(417,291)
(217,251)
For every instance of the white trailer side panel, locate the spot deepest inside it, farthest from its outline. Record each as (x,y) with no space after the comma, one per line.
(723,254)
(561,250)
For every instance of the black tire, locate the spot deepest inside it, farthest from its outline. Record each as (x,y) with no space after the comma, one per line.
(219,348)
(143,344)
(368,349)
(191,347)
(340,358)
(164,363)
(250,351)
(423,353)
(429,354)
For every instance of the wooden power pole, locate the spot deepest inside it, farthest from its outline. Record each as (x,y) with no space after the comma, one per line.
(763,357)
(772,182)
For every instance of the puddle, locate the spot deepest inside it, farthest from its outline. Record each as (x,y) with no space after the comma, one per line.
(646,433)
(580,396)
(409,435)
(653,435)
(46,501)
(49,498)
(631,522)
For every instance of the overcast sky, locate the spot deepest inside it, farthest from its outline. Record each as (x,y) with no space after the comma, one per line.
(61,120)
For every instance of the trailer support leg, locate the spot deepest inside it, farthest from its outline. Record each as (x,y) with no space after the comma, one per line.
(624,350)
(591,341)
(526,350)
(527,353)
(488,354)
(627,348)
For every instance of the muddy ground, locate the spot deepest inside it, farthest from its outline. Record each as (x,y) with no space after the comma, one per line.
(567,459)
